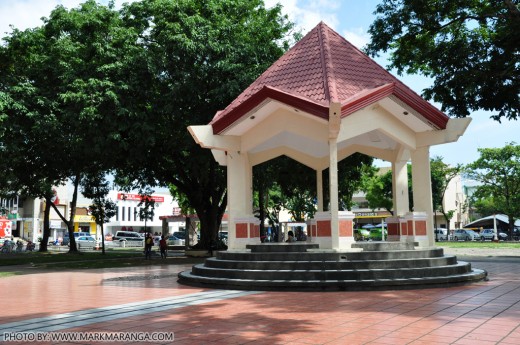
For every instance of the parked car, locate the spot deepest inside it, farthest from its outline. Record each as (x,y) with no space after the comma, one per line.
(516,234)
(361,234)
(86,242)
(180,235)
(223,236)
(173,240)
(127,236)
(66,239)
(441,234)
(376,234)
(489,234)
(465,235)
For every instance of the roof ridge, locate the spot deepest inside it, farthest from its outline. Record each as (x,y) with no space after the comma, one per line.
(326,61)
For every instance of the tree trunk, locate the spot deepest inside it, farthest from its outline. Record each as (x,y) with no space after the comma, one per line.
(102,239)
(70,223)
(46,226)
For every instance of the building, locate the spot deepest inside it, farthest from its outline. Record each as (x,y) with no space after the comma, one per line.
(27,215)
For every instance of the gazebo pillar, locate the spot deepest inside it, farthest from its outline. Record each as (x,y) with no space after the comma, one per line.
(420,222)
(400,198)
(332,229)
(244,228)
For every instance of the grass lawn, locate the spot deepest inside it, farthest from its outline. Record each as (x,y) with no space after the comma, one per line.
(478,244)
(84,260)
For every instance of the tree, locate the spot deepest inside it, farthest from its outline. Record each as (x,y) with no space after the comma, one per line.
(498,171)
(199,56)
(65,95)
(378,189)
(469,47)
(102,209)
(442,175)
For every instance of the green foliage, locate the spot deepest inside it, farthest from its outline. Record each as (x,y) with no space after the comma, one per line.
(484,205)
(498,171)
(469,47)
(199,55)
(64,99)
(284,183)
(378,189)
(442,174)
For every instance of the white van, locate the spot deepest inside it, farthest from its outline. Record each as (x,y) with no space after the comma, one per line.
(127,236)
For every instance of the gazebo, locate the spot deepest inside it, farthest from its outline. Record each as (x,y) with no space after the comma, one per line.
(320,102)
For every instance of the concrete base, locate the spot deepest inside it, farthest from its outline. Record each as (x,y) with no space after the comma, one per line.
(304,266)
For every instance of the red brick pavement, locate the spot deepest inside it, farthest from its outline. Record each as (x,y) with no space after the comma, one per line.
(476,314)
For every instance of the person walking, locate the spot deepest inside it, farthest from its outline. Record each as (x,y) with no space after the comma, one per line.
(148,244)
(163,246)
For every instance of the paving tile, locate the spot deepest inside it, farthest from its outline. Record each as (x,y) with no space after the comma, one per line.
(476,314)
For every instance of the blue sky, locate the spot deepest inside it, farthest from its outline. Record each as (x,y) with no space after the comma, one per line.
(351,19)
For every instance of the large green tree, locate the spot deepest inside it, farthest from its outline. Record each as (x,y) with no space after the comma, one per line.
(200,56)
(498,171)
(66,94)
(378,187)
(470,48)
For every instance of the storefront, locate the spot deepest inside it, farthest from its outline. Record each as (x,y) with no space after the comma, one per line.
(85,224)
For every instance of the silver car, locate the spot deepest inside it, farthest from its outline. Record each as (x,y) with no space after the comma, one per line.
(465,235)
(489,234)
(87,242)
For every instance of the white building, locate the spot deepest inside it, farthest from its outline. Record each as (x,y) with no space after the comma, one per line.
(29,215)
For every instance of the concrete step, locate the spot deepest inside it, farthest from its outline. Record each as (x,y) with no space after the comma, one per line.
(332,264)
(282,247)
(334,285)
(331,256)
(385,246)
(384,265)
(355,274)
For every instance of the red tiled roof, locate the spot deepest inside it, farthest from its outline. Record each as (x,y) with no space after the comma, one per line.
(321,68)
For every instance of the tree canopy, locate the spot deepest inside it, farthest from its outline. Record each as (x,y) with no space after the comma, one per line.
(498,171)
(199,56)
(470,48)
(64,94)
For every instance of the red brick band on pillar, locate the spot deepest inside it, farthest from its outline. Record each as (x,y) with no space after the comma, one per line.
(345,228)
(323,228)
(254,230)
(394,226)
(241,230)
(420,227)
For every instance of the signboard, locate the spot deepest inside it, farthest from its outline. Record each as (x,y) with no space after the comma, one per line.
(84,219)
(138,197)
(55,224)
(5,227)
(382,214)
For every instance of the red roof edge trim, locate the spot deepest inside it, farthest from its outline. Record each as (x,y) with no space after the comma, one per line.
(430,113)
(303,104)
(361,101)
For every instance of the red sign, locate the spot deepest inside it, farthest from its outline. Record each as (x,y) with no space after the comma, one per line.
(5,227)
(138,197)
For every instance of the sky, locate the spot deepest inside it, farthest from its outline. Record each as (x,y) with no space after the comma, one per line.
(351,19)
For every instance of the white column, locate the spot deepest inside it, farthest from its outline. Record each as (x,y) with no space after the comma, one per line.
(334,128)
(333,190)
(400,188)
(422,189)
(319,189)
(239,190)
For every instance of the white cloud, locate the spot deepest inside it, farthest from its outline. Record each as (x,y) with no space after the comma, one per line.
(307,14)
(357,37)
(24,14)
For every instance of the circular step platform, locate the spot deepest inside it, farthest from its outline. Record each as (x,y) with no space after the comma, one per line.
(304,267)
